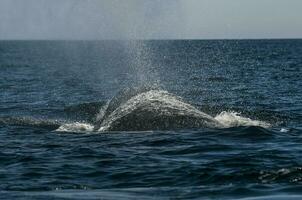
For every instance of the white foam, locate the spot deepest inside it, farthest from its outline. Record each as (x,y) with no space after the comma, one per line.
(284,130)
(75,127)
(233,119)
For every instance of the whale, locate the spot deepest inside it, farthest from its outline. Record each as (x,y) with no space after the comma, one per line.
(136,109)
(150,108)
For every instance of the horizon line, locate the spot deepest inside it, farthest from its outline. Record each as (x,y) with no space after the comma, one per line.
(151,39)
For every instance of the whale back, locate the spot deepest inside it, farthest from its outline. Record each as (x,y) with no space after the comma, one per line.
(120,98)
(124,95)
(151,109)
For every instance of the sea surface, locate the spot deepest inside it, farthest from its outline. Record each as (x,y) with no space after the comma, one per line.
(52,93)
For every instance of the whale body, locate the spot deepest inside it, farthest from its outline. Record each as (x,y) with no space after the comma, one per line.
(136,109)
(150,109)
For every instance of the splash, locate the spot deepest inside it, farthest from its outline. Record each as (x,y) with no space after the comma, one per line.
(142,67)
(233,119)
(75,127)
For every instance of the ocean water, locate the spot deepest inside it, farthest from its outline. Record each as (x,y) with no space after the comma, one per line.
(216,119)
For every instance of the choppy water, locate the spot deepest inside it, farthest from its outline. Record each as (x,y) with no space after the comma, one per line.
(151,145)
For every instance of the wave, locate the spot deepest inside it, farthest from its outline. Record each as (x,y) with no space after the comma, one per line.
(29,121)
(292,175)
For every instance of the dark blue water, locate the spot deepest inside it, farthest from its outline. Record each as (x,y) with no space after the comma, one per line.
(44,84)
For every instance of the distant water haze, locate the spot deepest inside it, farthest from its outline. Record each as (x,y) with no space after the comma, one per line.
(150,19)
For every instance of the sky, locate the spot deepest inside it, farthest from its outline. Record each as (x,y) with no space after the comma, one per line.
(150,19)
